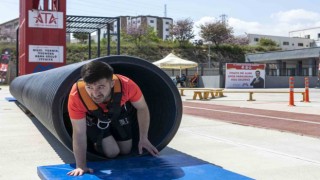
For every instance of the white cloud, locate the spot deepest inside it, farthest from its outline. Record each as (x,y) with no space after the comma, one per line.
(295,16)
(202,21)
(280,23)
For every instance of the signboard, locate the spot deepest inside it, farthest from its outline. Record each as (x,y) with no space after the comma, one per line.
(46,54)
(45,19)
(241,75)
(4,63)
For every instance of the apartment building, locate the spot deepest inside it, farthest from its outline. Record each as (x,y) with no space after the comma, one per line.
(8,30)
(285,43)
(309,33)
(161,25)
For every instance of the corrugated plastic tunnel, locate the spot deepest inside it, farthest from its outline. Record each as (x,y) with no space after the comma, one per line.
(45,95)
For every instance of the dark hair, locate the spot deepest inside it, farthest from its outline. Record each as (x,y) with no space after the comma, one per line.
(96,70)
(258,71)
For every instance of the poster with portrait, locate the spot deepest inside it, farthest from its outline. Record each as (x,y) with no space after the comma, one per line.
(4,63)
(243,75)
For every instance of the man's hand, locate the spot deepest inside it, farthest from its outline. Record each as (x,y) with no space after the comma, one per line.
(80,171)
(145,143)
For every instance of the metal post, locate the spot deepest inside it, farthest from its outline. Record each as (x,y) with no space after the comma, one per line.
(89,49)
(209,56)
(118,35)
(108,39)
(98,47)
(17,54)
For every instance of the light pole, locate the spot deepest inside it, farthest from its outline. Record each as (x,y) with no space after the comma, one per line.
(209,56)
(209,52)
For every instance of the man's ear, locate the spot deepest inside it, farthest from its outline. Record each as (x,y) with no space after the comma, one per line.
(112,83)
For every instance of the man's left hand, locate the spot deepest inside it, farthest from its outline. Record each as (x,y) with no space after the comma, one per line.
(145,143)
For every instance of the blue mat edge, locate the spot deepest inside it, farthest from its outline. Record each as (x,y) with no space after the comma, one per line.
(42,170)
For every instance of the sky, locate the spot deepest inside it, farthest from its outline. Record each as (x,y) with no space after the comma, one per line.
(268,17)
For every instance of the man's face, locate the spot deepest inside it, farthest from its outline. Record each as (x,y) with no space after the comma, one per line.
(100,91)
(258,74)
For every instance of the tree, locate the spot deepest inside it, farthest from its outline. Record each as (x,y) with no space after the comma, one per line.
(140,34)
(81,37)
(267,42)
(238,40)
(217,32)
(182,31)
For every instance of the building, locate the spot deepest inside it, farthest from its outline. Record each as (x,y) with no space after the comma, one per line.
(161,25)
(285,43)
(8,31)
(309,33)
(299,58)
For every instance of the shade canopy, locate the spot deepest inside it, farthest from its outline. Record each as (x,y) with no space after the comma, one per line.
(173,62)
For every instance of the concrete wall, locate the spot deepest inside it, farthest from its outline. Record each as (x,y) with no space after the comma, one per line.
(217,81)
(271,81)
(283,82)
(210,81)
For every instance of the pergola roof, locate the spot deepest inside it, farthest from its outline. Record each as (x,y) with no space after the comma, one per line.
(87,24)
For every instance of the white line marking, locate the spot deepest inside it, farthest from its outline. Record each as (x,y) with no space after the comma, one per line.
(252,146)
(249,114)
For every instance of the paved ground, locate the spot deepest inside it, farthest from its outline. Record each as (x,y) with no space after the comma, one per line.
(260,153)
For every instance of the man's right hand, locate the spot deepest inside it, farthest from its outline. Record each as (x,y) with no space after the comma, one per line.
(80,171)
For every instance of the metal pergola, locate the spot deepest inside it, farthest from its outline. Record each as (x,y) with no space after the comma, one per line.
(87,24)
(90,24)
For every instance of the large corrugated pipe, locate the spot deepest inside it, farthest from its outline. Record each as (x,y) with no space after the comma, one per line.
(45,95)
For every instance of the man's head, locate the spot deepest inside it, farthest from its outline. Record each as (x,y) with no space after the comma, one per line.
(257,73)
(98,78)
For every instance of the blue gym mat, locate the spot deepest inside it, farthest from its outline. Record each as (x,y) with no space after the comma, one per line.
(164,167)
(10,99)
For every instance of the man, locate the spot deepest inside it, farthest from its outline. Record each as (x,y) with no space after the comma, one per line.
(257,82)
(107,136)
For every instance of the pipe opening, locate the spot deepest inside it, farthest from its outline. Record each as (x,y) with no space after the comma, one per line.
(49,98)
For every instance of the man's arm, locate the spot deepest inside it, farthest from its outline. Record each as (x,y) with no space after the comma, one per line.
(144,121)
(79,142)
(261,82)
(251,84)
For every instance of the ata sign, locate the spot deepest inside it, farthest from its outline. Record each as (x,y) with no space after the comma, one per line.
(45,19)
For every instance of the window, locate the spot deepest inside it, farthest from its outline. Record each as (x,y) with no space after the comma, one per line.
(256,39)
(272,72)
(318,35)
(167,29)
(300,44)
(151,21)
(167,22)
(291,72)
(167,36)
(305,72)
(285,43)
(307,36)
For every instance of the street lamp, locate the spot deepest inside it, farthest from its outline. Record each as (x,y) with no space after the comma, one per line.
(209,54)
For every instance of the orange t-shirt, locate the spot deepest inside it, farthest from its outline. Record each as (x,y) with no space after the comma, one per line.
(77,110)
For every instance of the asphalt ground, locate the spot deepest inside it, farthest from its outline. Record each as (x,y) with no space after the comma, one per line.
(246,137)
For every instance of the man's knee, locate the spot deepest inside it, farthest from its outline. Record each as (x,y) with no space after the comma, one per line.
(110,147)
(112,153)
(125,146)
(125,151)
